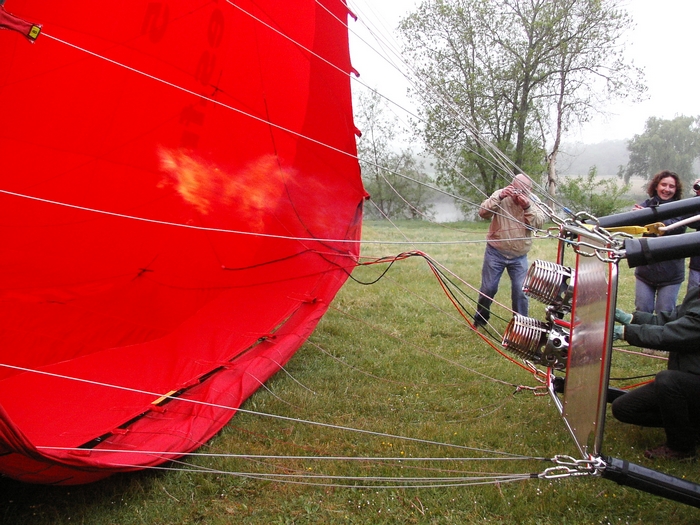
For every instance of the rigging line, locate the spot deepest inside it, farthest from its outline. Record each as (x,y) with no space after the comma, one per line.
(444,192)
(281,367)
(357,80)
(412,207)
(200,96)
(445,100)
(505,163)
(406,479)
(632,377)
(252,412)
(496,154)
(492,162)
(382,35)
(368,462)
(488,342)
(269,390)
(228,455)
(347,27)
(495,407)
(296,473)
(422,349)
(507,215)
(391,381)
(359,370)
(434,188)
(367,465)
(507,177)
(386,217)
(488,147)
(300,45)
(450,272)
(292,472)
(473,131)
(268,477)
(219,230)
(275,476)
(536,372)
(643,354)
(280,33)
(464,294)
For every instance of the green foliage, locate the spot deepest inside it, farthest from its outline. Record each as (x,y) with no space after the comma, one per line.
(665,145)
(394,179)
(473,175)
(473,98)
(597,196)
(513,73)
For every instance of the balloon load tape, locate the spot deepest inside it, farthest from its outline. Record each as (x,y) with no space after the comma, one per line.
(14,23)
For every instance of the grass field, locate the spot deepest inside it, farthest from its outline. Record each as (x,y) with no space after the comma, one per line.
(393,359)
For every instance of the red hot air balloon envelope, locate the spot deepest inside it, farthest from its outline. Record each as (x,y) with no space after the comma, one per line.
(180,200)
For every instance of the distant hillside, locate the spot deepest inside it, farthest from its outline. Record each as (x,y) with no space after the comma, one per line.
(577,158)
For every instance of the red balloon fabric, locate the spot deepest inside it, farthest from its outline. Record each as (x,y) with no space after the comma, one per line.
(180,200)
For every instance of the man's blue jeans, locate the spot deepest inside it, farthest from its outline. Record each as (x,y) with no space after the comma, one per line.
(495,263)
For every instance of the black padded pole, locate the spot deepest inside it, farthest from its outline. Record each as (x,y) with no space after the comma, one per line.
(681,208)
(641,478)
(647,250)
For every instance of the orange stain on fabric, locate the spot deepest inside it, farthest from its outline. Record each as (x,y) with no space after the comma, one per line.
(251,191)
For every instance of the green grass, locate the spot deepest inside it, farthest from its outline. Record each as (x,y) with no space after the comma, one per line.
(393,357)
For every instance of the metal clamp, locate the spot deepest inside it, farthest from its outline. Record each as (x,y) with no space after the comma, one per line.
(570,467)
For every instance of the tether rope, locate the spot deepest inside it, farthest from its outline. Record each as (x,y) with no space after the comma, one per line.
(157,395)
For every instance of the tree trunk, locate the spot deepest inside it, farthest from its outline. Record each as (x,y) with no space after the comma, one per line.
(552,177)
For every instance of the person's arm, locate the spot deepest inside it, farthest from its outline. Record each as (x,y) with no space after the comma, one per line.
(490,205)
(644,318)
(680,335)
(534,215)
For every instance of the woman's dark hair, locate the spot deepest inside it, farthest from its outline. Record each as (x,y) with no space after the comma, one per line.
(654,182)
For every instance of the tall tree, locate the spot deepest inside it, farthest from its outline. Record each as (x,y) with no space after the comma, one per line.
(665,145)
(516,73)
(394,178)
(591,69)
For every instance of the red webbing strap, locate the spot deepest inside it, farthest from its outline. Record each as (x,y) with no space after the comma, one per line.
(9,21)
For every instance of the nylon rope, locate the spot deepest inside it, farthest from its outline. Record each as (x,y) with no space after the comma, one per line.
(224,230)
(278,479)
(254,412)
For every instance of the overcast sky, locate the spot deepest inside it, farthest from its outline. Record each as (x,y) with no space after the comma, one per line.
(664,41)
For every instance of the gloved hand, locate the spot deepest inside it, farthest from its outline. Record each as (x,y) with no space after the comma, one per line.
(622,317)
(619,333)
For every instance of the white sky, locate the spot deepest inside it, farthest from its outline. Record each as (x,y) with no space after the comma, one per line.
(664,43)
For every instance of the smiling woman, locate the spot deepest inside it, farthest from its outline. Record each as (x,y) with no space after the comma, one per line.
(658,284)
